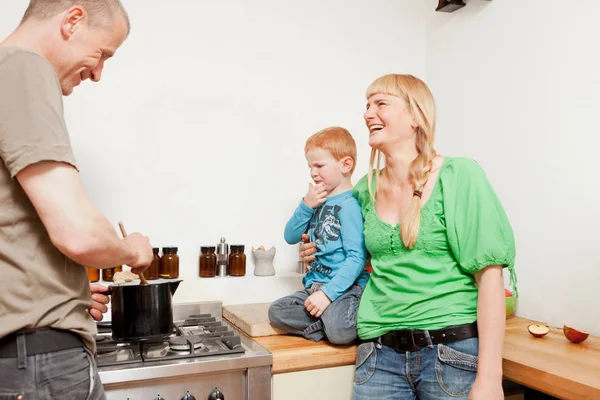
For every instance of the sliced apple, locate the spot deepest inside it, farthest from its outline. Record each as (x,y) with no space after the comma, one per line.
(575,335)
(538,330)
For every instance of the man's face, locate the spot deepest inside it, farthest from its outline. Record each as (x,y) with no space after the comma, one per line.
(85,50)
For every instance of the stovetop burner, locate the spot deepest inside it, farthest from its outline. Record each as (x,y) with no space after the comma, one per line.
(198,335)
(179,343)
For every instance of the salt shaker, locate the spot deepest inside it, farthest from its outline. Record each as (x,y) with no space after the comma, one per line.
(222,258)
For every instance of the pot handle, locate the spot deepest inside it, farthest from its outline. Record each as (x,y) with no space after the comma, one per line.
(107,292)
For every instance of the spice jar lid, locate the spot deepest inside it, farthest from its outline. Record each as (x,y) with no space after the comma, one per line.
(207,248)
(169,249)
(237,247)
(155,250)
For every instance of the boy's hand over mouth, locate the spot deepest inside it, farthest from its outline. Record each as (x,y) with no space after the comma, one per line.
(316,195)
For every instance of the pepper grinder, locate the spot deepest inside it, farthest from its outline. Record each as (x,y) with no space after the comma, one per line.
(222,258)
(301,266)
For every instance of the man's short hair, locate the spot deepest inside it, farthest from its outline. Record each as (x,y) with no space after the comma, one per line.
(336,140)
(101,13)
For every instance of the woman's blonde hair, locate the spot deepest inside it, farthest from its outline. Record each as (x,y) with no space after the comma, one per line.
(420,103)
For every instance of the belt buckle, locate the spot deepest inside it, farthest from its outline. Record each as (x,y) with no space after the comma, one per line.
(403,345)
(415,346)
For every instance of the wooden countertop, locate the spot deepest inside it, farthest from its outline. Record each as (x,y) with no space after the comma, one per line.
(550,364)
(294,353)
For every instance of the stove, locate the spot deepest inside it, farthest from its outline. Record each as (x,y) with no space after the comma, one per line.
(204,358)
(199,335)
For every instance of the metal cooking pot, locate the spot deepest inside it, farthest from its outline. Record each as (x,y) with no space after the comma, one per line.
(142,312)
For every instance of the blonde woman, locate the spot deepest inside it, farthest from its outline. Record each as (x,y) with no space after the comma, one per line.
(431,319)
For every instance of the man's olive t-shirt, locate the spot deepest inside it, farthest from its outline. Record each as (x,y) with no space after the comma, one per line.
(39,286)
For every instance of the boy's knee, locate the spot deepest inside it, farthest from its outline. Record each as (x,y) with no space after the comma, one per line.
(341,335)
(273,314)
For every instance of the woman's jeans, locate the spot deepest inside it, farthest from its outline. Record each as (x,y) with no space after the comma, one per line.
(442,371)
(67,374)
(337,324)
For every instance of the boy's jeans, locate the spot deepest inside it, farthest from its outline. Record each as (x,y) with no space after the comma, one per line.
(337,324)
(441,371)
(67,374)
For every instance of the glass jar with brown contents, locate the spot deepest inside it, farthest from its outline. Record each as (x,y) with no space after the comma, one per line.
(169,263)
(108,274)
(208,262)
(153,270)
(237,260)
(93,274)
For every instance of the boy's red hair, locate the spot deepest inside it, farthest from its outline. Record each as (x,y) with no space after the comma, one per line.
(336,140)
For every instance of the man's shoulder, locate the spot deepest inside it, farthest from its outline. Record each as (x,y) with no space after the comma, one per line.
(16,57)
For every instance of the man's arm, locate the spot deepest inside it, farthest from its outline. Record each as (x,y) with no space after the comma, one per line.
(76,227)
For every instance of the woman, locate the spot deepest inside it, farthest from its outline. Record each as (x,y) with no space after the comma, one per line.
(432,315)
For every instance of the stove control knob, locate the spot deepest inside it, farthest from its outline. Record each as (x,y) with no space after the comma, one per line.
(188,396)
(216,395)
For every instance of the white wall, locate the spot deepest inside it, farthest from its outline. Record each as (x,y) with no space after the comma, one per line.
(197,129)
(198,126)
(516,87)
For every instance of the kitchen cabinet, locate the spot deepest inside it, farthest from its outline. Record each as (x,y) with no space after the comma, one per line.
(325,383)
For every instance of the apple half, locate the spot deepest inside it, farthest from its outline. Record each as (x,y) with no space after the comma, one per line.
(575,335)
(538,330)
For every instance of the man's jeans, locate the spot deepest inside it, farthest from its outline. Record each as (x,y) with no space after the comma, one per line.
(435,372)
(67,374)
(337,324)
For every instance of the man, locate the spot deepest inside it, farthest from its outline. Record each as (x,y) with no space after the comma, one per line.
(48,227)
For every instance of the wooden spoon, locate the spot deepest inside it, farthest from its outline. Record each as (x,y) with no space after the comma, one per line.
(143,280)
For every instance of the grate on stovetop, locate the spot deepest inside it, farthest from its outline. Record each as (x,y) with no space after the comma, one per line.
(197,336)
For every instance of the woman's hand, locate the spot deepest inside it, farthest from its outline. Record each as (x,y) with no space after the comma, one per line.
(307,250)
(100,301)
(487,389)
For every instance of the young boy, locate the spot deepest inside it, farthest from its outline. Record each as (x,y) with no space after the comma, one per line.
(327,306)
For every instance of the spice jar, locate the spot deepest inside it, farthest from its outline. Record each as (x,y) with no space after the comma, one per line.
(237,260)
(208,262)
(93,274)
(154,269)
(109,273)
(169,263)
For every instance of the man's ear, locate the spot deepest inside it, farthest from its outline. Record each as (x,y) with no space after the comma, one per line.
(73,19)
(347,164)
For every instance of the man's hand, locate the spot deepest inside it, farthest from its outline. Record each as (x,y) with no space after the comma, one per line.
(307,250)
(317,303)
(100,301)
(142,246)
(316,195)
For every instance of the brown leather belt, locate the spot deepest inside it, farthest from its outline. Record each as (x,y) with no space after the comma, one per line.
(39,341)
(415,339)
